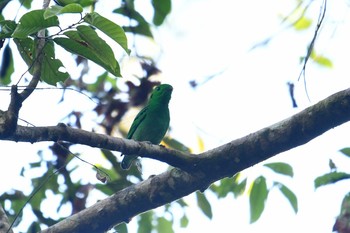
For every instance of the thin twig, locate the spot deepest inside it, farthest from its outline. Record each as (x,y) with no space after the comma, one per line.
(312,43)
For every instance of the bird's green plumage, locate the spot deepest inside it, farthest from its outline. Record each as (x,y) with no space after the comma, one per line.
(152,122)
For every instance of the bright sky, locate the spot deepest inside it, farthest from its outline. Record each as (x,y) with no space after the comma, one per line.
(207,37)
(204,37)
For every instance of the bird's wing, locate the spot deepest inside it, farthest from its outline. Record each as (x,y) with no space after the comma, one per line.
(137,121)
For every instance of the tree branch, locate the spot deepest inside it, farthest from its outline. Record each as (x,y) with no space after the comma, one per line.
(127,203)
(203,169)
(62,132)
(4,222)
(9,118)
(39,56)
(239,154)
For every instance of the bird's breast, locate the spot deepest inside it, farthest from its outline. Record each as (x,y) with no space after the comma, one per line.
(153,127)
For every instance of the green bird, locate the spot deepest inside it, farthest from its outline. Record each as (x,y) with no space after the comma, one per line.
(152,122)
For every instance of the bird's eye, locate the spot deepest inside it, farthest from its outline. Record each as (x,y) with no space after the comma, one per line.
(157,88)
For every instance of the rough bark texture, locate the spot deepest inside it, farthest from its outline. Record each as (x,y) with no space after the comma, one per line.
(4,222)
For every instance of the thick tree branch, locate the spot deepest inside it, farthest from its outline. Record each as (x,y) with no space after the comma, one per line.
(208,167)
(62,132)
(282,136)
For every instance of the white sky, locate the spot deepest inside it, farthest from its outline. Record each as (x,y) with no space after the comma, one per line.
(207,37)
(203,37)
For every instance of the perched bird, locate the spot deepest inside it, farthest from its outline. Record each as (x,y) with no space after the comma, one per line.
(152,122)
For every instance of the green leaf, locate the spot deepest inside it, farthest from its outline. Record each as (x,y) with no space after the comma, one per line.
(17,205)
(85,42)
(281,168)
(321,60)
(204,205)
(111,158)
(181,202)
(142,27)
(26,49)
(50,67)
(145,222)
(7,67)
(50,70)
(175,144)
(100,48)
(27,3)
(39,196)
(131,13)
(108,27)
(257,198)
(106,189)
(184,221)
(99,84)
(121,228)
(35,226)
(35,164)
(229,185)
(330,178)
(57,10)
(161,9)
(346,151)
(7,27)
(85,3)
(303,23)
(32,22)
(65,2)
(240,188)
(164,225)
(289,194)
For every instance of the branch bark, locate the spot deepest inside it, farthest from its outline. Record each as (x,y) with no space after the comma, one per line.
(4,222)
(205,168)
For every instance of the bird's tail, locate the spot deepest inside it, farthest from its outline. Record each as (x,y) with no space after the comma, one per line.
(127,161)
